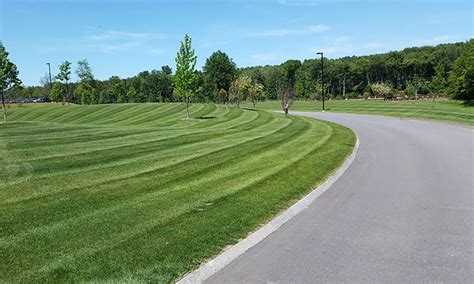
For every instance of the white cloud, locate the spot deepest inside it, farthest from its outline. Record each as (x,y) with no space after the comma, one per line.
(110,41)
(290,32)
(437,40)
(346,46)
(265,57)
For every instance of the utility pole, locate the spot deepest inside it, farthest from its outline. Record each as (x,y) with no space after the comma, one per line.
(322,75)
(50,81)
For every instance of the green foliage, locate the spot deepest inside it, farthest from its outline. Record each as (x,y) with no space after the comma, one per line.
(410,91)
(115,90)
(461,79)
(421,85)
(240,89)
(381,90)
(223,96)
(86,89)
(8,77)
(257,93)
(84,71)
(9,72)
(219,72)
(354,75)
(132,95)
(166,70)
(185,76)
(64,76)
(438,83)
(290,68)
(56,93)
(427,69)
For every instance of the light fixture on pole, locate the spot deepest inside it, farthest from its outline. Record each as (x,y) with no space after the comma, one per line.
(50,81)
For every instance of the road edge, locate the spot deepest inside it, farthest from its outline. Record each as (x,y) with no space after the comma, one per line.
(230,253)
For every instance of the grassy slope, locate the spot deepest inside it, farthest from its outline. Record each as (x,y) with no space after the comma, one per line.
(134,192)
(449,111)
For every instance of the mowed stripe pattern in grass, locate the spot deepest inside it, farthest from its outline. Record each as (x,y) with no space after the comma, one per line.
(443,110)
(134,192)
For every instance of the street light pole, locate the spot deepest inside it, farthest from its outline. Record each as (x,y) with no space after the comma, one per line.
(50,81)
(322,75)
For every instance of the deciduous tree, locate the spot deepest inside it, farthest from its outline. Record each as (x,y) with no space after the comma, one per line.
(64,76)
(223,96)
(8,77)
(461,79)
(380,89)
(256,93)
(86,89)
(219,72)
(185,76)
(240,89)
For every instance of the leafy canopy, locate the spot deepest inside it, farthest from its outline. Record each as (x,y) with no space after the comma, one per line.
(185,76)
(219,71)
(9,72)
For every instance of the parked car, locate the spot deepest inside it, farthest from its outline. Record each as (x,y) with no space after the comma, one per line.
(27,101)
(43,100)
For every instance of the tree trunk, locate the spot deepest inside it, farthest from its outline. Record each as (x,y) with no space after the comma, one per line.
(4,108)
(64,97)
(344,86)
(187,107)
(68,99)
(253,104)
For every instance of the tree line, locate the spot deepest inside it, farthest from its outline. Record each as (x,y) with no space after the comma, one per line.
(444,70)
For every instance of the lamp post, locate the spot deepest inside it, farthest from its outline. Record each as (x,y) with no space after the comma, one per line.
(50,81)
(322,75)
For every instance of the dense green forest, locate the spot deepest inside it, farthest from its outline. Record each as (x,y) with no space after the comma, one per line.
(445,70)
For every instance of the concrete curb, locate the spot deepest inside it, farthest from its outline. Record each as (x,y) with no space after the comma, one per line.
(207,269)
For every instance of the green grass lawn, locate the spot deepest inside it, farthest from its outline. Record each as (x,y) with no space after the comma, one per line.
(443,110)
(134,192)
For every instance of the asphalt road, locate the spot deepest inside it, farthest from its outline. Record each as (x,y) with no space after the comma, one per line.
(402,212)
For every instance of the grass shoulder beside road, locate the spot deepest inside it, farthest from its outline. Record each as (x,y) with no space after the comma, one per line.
(134,192)
(442,110)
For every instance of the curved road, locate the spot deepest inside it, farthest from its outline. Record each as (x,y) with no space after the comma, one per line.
(402,212)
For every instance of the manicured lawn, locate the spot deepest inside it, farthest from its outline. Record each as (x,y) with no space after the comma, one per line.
(31,105)
(443,110)
(133,192)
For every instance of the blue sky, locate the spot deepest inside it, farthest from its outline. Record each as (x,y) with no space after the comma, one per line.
(125,37)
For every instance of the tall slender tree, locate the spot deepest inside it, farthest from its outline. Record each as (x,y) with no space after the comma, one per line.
(8,77)
(185,76)
(86,89)
(64,76)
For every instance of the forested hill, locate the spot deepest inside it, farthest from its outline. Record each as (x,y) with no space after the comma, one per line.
(441,69)
(446,70)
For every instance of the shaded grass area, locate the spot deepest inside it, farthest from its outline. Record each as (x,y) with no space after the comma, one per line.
(442,110)
(134,192)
